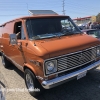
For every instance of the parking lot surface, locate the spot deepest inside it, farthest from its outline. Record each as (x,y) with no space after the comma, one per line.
(87,88)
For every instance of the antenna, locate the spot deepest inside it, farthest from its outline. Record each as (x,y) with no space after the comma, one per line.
(63,7)
(30,22)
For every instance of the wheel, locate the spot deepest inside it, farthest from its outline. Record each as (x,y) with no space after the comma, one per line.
(32,83)
(5,61)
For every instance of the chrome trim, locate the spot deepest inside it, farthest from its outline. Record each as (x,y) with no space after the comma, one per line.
(55,68)
(75,67)
(59,80)
(63,56)
(73,61)
(39,77)
(37,63)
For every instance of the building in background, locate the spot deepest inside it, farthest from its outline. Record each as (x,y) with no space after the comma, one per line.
(84,20)
(93,19)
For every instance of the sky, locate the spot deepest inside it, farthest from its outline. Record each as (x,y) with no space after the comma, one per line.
(11,9)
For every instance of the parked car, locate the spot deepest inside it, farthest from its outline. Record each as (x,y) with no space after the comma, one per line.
(81,26)
(47,53)
(93,32)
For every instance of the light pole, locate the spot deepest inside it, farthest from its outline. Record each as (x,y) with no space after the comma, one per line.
(63,7)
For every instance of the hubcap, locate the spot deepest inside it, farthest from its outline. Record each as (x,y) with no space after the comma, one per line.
(29,82)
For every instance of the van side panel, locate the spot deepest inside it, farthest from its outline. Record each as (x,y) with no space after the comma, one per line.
(5,31)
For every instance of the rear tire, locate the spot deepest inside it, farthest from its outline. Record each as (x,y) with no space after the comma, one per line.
(32,83)
(6,63)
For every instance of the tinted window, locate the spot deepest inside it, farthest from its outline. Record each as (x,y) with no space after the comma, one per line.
(50,27)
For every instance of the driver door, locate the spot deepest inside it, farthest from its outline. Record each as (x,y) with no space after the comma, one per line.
(18,52)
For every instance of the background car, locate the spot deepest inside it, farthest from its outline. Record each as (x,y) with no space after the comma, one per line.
(93,32)
(82,26)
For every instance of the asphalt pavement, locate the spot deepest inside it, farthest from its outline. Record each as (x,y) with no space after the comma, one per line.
(87,88)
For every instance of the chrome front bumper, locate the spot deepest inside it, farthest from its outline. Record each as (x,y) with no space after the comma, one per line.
(59,80)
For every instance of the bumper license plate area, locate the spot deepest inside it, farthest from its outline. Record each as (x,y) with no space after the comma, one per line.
(81,75)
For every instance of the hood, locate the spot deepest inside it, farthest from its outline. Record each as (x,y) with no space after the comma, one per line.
(68,44)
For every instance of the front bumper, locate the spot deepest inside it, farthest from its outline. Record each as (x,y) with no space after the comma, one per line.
(59,80)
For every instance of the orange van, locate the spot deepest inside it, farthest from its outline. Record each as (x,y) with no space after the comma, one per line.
(49,49)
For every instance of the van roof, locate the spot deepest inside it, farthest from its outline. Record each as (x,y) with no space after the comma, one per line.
(34,16)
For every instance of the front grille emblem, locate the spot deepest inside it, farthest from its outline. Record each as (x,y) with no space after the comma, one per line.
(81,57)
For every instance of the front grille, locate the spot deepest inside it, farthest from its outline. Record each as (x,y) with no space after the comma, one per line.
(76,60)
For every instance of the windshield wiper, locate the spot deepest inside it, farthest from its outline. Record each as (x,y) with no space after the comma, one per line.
(44,36)
(51,35)
(36,37)
(68,33)
(71,33)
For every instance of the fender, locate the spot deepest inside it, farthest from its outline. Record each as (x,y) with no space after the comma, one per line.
(30,67)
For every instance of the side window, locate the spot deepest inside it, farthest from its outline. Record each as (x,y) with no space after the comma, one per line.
(67,25)
(18,30)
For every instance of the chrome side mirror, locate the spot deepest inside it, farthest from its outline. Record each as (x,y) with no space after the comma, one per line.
(13,39)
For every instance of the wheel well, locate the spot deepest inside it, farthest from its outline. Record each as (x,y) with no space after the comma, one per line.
(0,54)
(25,67)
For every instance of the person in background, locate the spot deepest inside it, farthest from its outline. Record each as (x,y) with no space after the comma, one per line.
(91,26)
(88,25)
(97,26)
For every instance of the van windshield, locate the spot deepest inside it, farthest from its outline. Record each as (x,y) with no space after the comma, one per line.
(50,27)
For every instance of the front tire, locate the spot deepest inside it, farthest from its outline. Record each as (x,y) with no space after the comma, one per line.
(32,83)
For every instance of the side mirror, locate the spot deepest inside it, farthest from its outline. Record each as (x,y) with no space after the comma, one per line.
(13,39)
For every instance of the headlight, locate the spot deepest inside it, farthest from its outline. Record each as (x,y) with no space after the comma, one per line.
(50,66)
(98,51)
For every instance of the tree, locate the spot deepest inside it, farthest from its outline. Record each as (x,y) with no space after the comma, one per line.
(98,18)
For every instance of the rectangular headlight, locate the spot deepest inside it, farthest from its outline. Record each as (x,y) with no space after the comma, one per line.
(50,66)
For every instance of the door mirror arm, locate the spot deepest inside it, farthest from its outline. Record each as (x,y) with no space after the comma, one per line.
(19,45)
